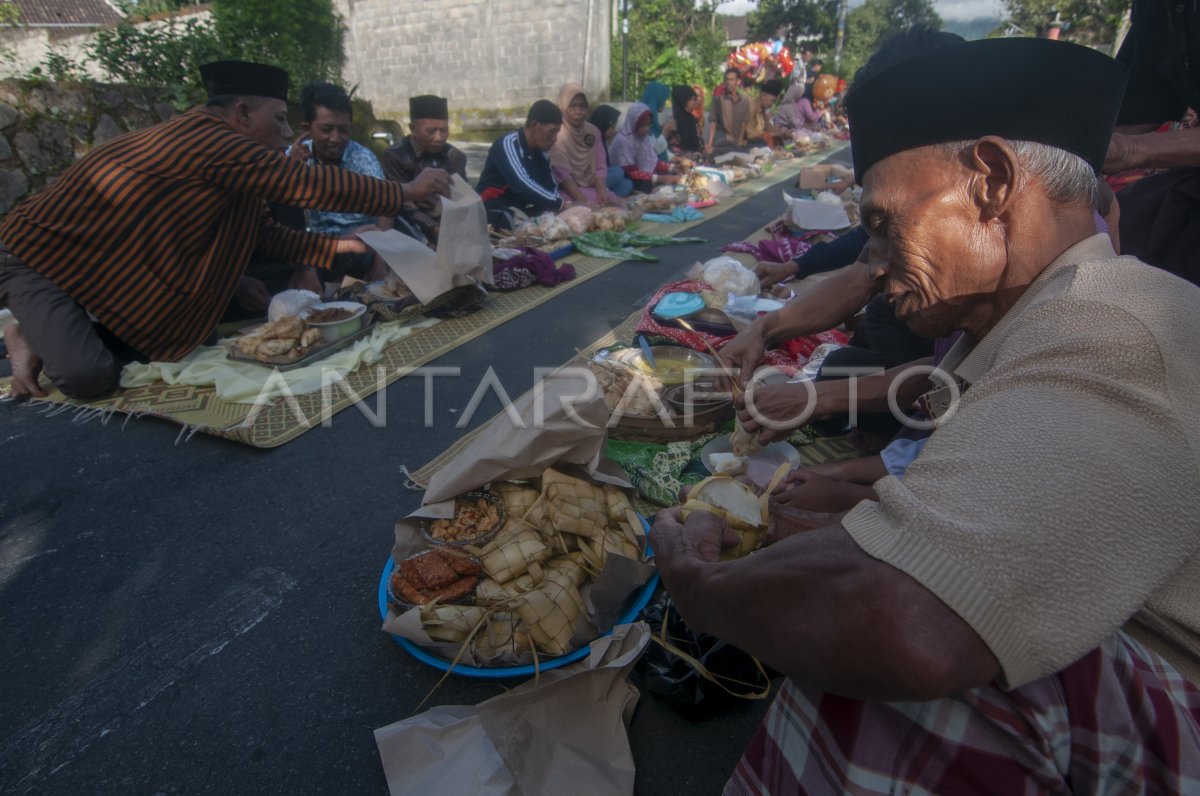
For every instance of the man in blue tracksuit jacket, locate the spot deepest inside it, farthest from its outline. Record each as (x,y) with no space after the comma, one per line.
(517,172)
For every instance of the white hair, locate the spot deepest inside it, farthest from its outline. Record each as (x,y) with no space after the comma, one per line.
(1067,177)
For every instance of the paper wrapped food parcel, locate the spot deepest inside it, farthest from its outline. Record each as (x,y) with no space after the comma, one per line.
(463,256)
(815,214)
(570,554)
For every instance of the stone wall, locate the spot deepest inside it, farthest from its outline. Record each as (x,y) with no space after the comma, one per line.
(490,58)
(45,127)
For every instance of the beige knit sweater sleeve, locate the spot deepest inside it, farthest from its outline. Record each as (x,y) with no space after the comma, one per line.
(1064,492)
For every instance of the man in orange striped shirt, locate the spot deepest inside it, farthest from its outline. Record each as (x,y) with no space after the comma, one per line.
(136,249)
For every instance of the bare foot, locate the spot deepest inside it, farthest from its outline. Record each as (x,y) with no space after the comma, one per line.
(26,365)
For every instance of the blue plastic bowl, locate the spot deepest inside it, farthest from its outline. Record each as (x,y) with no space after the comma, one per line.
(503,672)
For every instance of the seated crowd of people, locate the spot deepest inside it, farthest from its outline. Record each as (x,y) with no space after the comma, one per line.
(1004,599)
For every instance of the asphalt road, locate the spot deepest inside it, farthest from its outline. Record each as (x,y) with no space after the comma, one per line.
(201,618)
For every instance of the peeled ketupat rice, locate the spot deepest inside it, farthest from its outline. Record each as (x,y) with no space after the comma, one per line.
(737,504)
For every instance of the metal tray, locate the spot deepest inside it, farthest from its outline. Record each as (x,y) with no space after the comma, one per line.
(312,356)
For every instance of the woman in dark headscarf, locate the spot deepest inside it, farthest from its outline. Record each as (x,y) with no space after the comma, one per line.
(604,119)
(683,131)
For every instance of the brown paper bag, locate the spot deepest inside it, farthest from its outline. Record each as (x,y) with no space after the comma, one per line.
(464,255)
(463,245)
(560,421)
(507,745)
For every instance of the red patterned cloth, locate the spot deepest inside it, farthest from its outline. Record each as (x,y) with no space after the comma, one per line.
(1119,720)
(789,358)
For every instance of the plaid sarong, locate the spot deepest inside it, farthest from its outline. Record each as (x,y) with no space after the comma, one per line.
(1119,720)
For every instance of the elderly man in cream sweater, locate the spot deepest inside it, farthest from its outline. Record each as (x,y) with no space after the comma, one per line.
(1020,613)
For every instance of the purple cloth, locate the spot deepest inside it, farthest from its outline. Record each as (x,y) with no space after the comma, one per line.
(942,346)
(771,251)
(531,266)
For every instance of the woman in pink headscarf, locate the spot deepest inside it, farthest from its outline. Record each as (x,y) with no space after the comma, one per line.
(633,151)
(577,159)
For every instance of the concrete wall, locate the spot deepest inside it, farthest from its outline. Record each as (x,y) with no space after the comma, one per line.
(485,56)
(30,46)
(490,58)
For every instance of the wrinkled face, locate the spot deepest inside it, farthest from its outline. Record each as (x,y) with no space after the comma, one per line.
(330,131)
(577,111)
(541,136)
(266,122)
(731,82)
(429,135)
(940,260)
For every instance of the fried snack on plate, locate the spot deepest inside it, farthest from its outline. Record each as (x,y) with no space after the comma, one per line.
(286,328)
(436,575)
(473,518)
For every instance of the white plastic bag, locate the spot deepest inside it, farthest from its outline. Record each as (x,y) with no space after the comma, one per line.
(290,302)
(730,277)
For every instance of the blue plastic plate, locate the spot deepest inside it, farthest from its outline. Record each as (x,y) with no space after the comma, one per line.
(675,305)
(502,672)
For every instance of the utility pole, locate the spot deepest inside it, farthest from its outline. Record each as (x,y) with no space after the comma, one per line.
(624,50)
(843,6)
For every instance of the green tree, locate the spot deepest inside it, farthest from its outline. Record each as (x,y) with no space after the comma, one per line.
(305,37)
(167,55)
(674,41)
(811,21)
(875,20)
(1090,22)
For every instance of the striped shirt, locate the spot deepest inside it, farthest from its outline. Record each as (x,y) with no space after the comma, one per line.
(152,231)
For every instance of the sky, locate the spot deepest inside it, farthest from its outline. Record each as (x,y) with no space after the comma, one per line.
(948,9)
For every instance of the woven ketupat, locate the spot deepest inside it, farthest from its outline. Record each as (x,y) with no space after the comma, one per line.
(510,554)
(503,635)
(451,623)
(574,506)
(518,500)
(551,612)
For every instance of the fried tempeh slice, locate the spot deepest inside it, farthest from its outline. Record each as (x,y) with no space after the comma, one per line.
(463,566)
(434,569)
(455,591)
(407,592)
(411,575)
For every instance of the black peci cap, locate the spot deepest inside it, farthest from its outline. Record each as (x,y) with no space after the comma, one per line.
(244,79)
(1051,92)
(427,106)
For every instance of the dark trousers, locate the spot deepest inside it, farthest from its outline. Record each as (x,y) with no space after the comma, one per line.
(881,341)
(82,358)
(1160,221)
